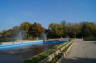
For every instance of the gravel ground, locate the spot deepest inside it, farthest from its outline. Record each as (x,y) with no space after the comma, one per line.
(81,52)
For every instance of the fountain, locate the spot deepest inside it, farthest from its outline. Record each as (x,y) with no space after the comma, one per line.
(20,36)
(19,43)
(44,37)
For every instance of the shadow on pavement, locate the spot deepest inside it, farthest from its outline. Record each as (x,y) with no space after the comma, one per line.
(79,60)
(94,42)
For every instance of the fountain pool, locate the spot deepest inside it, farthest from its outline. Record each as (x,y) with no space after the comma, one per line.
(28,43)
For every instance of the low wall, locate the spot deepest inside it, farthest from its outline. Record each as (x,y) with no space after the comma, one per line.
(50,57)
(65,54)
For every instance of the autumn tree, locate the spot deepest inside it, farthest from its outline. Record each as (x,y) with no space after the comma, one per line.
(36,30)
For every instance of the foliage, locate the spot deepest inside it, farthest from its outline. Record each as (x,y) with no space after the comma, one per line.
(26,26)
(55,30)
(79,30)
(36,29)
(88,29)
(90,39)
(31,30)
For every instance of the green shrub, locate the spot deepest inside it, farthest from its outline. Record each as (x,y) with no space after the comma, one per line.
(90,38)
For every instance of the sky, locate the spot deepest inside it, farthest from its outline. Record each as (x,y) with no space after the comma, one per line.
(14,12)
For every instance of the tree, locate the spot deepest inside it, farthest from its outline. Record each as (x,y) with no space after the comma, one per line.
(74,30)
(7,35)
(56,30)
(36,30)
(88,29)
(26,26)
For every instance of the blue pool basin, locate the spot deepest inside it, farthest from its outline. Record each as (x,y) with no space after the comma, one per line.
(28,43)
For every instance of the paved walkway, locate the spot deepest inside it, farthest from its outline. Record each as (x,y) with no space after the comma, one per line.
(81,52)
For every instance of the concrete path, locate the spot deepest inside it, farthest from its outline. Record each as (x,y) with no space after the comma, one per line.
(81,52)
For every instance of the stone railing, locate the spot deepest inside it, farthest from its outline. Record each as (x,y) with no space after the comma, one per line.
(65,53)
(50,57)
(59,50)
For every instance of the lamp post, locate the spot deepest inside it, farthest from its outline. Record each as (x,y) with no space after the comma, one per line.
(82,37)
(75,35)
